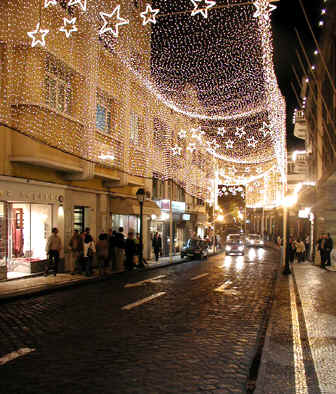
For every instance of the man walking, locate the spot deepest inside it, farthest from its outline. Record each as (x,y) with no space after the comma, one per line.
(120,249)
(157,245)
(53,249)
(328,248)
(76,247)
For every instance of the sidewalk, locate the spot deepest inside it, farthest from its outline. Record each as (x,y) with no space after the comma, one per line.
(300,347)
(30,286)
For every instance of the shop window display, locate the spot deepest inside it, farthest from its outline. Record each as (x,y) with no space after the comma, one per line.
(127,222)
(28,230)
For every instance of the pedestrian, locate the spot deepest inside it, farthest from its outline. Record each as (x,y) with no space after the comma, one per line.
(89,250)
(328,248)
(120,249)
(307,246)
(291,249)
(76,247)
(300,250)
(157,245)
(102,252)
(130,251)
(321,246)
(112,246)
(53,249)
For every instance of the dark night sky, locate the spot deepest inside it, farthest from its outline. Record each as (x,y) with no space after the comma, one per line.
(285,18)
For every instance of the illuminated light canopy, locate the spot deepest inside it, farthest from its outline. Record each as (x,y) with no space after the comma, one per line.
(114,15)
(38,36)
(202,7)
(149,16)
(69,26)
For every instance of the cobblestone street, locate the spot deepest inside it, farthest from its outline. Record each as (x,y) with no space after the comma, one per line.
(198,332)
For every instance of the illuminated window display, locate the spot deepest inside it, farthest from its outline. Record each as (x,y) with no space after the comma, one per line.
(29,226)
(128,222)
(3,235)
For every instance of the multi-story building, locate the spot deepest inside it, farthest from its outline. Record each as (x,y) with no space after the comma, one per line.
(317,120)
(80,133)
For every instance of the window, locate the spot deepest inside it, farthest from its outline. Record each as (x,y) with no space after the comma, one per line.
(106,113)
(58,92)
(137,129)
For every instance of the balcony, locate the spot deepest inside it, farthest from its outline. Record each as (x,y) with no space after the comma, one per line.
(300,129)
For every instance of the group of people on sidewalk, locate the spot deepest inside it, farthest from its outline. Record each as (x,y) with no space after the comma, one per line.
(111,249)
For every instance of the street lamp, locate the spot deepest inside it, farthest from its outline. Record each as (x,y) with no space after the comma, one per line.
(288,202)
(140,194)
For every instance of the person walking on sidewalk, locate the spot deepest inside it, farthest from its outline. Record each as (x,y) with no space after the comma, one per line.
(300,250)
(89,249)
(102,250)
(53,249)
(321,246)
(157,245)
(328,248)
(130,250)
(112,248)
(76,247)
(120,249)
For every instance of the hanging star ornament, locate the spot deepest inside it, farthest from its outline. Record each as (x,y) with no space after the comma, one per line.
(197,134)
(212,146)
(47,3)
(252,142)
(202,7)
(115,14)
(229,144)
(69,29)
(82,3)
(176,150)
(240,132)
(259,170)
(221,131)
(38,31)
(182,134)
(263,9)
(149,16)
(266,129)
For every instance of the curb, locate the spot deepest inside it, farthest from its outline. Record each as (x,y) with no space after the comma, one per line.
(47,289)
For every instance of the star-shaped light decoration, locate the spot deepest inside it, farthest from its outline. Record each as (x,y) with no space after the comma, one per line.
(38,31)
(191,147)
(240,132)
(259,170)
(263,9)
(47,3)
(82,3)
(121,22)
(252,142)
(221,131)
(229,144)
(149,15)
(197,134)
(202,8)
(266,129)
(182,134)
(69,29)
(176,150)
(212,146)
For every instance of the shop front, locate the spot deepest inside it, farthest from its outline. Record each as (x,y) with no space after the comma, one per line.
(27,215)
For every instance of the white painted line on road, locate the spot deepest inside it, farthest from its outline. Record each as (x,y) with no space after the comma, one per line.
(141,283)
(12,356)
(143,301)
(199,276)
(300,372)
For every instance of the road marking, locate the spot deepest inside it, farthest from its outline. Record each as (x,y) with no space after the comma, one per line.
(143,301)
(141,283)
(199,276)
(12,356)
(300,372)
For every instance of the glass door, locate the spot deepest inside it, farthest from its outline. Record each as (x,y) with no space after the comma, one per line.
(3,241)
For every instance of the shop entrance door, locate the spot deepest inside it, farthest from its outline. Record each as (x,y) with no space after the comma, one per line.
(3,241)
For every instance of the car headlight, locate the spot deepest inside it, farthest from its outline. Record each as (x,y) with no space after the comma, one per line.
(241,248)
(228,248)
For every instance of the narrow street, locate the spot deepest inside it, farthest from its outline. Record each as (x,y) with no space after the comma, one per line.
(191,328)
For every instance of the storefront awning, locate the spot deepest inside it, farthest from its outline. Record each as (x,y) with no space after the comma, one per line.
(129,206)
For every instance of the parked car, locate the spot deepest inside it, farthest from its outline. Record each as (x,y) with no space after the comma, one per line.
(195,249)
(254,240)
(235,244)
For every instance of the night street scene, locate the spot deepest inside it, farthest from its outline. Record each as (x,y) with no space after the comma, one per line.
(167,196)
